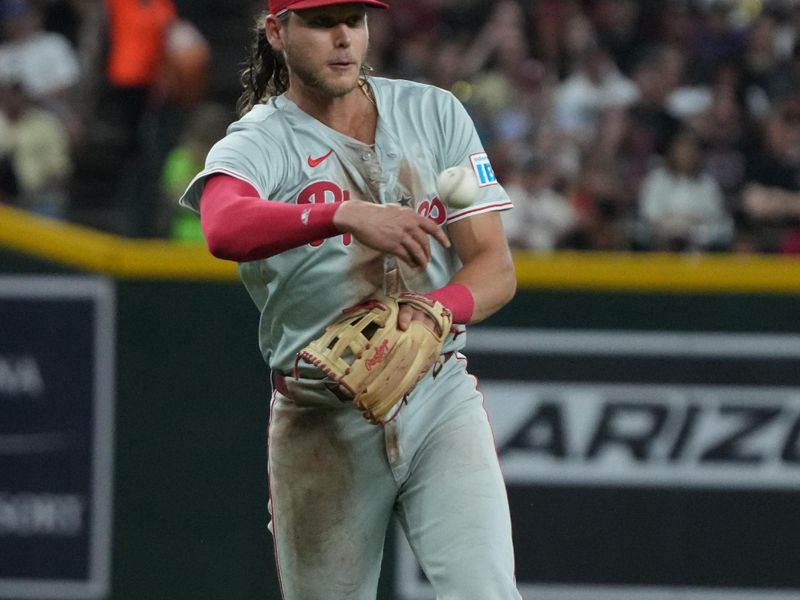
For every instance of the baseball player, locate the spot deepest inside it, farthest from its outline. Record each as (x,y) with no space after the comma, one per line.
(325,194)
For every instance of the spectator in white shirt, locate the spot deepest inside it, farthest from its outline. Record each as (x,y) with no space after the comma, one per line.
(34,147)
(44,62)
(595,86)
(680,206)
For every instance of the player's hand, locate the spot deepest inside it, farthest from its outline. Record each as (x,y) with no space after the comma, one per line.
(390,228)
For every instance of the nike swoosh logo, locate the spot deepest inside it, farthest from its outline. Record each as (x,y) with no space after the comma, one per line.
(315,162)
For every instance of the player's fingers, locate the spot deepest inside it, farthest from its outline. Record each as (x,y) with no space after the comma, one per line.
(436,231)
(404,317)
(414,246)
(417,253)
(408,251)
(421,239)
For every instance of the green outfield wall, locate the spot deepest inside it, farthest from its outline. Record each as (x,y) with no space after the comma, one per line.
(191,391)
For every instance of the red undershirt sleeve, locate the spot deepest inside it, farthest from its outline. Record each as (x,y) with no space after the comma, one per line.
(240,226)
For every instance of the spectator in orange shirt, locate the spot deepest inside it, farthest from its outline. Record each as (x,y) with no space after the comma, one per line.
(136,107)
(137,31)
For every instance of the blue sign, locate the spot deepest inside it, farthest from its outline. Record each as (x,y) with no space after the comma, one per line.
(56,436)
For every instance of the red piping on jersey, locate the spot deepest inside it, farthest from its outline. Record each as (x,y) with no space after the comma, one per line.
(478,209)
(240,226)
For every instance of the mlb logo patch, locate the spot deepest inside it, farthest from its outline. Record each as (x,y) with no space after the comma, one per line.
(483,169)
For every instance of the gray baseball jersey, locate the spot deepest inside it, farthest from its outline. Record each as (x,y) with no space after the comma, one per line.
(288,156)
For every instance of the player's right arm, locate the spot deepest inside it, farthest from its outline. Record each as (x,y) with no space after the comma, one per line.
(239,225)
(394,229)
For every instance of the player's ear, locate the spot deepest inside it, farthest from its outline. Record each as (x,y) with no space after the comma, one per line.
(273,29)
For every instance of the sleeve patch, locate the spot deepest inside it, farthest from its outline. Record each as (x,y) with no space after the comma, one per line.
(483,169)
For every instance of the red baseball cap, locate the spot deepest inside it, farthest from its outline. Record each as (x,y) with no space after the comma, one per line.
(278,6)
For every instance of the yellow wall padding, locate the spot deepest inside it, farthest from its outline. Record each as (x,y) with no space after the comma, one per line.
(86,249)
(82,248)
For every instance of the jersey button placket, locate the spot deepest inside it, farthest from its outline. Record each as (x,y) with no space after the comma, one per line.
(374,170)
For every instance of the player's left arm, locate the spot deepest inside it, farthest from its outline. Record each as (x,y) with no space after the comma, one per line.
(488,267)
(479,240)
(486,281)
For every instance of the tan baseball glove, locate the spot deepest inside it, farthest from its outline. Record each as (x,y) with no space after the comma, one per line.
(371,362)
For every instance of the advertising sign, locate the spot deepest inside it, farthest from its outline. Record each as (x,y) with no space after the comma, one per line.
(56,436)
(644,465)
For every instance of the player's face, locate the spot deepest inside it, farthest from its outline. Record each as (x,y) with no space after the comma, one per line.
(325,48)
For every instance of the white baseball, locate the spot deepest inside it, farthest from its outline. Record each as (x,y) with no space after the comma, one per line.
(458,186)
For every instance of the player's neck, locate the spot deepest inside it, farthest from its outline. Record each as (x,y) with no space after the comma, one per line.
(353,114)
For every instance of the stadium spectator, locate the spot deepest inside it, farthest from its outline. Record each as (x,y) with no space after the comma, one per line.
(205,126)
(760,55)
(725,129)
(34,152)
(772,195)
(619,25)
(640,135)
(552,20)
(44,62)
(787,78)
(135,105)
(716,39)
(602,205)
(542,217)
(680,206)
(657,75)
(595,86)
(137,44)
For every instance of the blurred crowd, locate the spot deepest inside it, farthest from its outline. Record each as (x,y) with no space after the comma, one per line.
(614,124)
